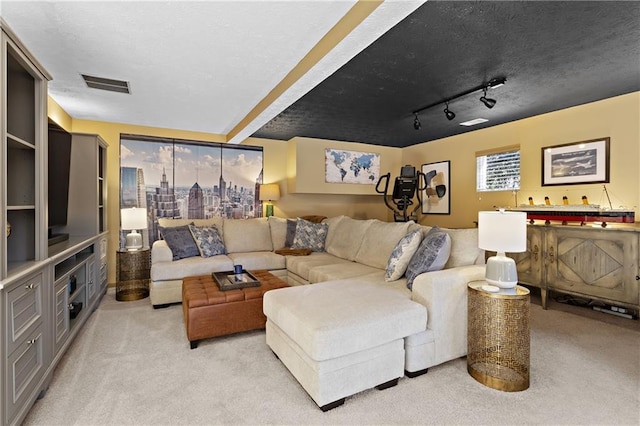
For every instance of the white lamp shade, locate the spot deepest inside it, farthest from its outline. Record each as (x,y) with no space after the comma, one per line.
(503,232)
(133,218)
(269,192)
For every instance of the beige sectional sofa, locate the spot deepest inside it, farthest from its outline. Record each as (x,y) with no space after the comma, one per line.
(328,334)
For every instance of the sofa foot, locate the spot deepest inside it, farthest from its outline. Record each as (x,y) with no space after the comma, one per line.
(193,344)
(162,305)
(332,405)
(412,374)
(387,385)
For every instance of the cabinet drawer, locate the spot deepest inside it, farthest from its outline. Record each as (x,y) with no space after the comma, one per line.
(24,370)
(24,310)
(61,314)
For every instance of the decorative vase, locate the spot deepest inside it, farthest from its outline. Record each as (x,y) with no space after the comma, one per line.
(8,229)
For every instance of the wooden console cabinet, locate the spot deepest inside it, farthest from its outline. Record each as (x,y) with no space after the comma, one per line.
(586,261)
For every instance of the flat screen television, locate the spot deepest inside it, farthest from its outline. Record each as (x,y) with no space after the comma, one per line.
(58,182)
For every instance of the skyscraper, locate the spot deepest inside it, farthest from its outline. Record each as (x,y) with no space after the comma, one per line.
(196,202)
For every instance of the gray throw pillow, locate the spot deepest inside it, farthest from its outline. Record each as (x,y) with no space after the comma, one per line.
(310,235)
(432,254)
(180,241)
(291,232)
(207,240)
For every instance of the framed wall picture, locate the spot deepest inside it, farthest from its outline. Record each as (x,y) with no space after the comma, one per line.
(436,197)
(576,163)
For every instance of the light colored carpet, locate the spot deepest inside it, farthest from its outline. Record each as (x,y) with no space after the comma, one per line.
(132,364)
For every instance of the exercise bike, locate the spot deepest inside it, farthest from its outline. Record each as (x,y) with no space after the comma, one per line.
(404,190)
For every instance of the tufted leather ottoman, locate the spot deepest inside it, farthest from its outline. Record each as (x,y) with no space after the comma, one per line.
(210,312)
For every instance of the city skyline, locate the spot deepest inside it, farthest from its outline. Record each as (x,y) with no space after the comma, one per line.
(194,163)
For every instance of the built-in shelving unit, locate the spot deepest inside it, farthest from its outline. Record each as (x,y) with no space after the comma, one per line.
(87,185)
(46,292)
(24,309)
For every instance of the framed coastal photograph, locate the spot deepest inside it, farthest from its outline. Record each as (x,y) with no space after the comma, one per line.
(576,163)
(436,197)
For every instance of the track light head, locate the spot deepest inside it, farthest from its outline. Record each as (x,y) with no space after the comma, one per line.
(449,114)
(416,123)
(488,102)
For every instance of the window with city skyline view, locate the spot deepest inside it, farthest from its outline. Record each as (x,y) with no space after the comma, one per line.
(180,179)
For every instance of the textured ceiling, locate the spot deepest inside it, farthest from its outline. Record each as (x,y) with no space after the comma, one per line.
(191,65)
(554,55)
(204,65)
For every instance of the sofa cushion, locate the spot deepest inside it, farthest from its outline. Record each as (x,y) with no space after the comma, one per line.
(192,266)
(246,235)
(401,255)
(464,248)
(345,237)
(180,241)
(258,260)
(432,254)
(302,265)
(208,240)
(339,271)
(379,241)
(310,235)
(278,227)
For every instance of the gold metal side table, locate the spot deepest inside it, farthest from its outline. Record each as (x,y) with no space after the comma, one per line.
(498,339)
(133,274)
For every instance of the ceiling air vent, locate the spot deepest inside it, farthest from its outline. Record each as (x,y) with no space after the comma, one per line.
(106,84)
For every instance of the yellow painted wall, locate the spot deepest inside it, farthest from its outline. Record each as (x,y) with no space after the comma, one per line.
(310,195)
(617,118)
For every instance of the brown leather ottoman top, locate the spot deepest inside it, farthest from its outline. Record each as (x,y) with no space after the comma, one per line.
(203,291)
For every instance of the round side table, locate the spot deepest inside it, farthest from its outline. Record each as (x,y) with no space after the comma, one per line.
(498,340)
(133,274)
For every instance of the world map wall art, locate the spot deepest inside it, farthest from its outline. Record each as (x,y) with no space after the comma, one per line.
(351,167)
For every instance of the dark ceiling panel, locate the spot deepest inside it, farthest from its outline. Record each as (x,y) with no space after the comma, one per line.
(554,55)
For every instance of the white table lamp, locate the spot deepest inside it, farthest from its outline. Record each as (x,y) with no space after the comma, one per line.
(502,232)
(269,192)
(133,219)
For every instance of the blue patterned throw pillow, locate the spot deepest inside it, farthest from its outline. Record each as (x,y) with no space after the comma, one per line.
(180,241)
(208,240)
(310,235)
(432,254)
(401,255)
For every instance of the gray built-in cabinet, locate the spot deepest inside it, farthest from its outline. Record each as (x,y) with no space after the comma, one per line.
(588,261)
(46,292)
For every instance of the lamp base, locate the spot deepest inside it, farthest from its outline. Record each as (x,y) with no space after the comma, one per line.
(269,209)
(133,241)
(501,271)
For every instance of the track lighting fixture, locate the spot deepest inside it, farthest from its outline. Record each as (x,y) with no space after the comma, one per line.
(416,123)
(450,115)
(488,102)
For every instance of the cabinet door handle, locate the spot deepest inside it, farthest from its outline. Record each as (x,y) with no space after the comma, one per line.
(31,342)
(551,256)
(536,250)
(29,286)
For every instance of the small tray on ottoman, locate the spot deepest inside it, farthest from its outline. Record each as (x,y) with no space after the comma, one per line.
(227,280)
